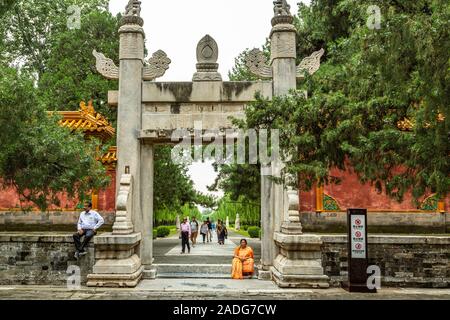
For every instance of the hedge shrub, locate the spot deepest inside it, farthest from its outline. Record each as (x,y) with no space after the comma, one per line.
(254,232)
(155,233)
(245,227)
(162,231)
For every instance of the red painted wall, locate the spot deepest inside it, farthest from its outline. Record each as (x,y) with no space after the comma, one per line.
(352,194)
(9,199)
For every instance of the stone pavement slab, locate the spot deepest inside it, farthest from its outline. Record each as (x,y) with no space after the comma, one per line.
(207,289)
(207,249)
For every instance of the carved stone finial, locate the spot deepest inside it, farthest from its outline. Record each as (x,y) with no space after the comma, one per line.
(157,66)
(310,64)
(132,13)
(207,56)
(105,66)
(282,13)
(256,63)
(133,8)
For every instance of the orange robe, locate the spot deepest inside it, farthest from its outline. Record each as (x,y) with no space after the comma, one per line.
(239,267)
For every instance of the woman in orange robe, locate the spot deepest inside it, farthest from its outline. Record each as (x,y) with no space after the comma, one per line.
(243,262)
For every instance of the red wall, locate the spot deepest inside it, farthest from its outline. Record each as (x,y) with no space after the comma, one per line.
(9,199)
(352,194)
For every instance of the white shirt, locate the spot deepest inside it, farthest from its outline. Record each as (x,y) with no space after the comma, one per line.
(92,220)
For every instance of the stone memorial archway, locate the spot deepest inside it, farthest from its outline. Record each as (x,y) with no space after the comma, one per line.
(148,114)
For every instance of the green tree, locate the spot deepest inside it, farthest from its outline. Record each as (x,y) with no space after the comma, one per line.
(33,25)
(70,74)
(37,157)
(370,81)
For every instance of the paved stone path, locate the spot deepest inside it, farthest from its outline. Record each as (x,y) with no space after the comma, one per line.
(167,250)
(205,289)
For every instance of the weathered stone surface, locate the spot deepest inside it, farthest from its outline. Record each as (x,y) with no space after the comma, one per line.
(115,280)
(379,222)
(404,261)
(40,258)
(117,266)
(208,92)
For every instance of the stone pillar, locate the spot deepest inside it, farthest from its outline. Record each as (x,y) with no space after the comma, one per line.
(268,247)
(146,228)
(298,263)
(118,255)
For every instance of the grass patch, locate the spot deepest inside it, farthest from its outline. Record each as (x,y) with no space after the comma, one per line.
(241,232)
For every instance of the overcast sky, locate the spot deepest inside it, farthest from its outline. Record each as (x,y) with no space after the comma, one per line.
(176,26)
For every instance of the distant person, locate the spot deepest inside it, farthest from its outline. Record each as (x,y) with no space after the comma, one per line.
(88,224)
(243,261)
(185,235)
(222,233)
(204,230)
(210,227)
(219,223)
(194,231)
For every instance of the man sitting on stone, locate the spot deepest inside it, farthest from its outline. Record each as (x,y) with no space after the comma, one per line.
(88,224)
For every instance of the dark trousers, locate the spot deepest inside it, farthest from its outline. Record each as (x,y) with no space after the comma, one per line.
(204,237)
(185,241)
(87,234)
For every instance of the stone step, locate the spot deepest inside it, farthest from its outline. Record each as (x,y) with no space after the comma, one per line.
(212,271)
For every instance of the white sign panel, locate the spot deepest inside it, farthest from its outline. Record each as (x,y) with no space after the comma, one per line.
(358,234)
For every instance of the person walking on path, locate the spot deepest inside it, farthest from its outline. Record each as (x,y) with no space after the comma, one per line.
(222,233)
(210,227)
(204,230)
(194,231)
(219,224)
(88,224)
(185,235)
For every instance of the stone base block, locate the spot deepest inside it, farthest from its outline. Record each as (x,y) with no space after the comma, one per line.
(150,273)
(115,280)
(264,275)
(299,264)
(118,266)
(298,267)
(300,281)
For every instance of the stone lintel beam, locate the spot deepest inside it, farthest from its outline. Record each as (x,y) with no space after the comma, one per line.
(205,91)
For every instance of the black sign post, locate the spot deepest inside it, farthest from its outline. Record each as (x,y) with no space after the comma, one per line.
(358,254)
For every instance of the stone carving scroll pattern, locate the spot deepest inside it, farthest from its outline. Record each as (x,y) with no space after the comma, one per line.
(105,66)
(256,63)
(157,66)
(310,64)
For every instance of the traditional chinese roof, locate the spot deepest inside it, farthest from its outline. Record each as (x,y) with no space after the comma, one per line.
(87,120)
(109,159)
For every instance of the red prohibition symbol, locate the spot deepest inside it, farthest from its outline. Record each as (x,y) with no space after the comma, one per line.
(358,234)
